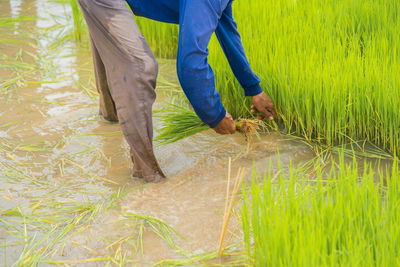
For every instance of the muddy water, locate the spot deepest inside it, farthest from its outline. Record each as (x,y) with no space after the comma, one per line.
(54,147)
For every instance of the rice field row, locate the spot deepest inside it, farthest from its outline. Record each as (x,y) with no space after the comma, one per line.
(345,217)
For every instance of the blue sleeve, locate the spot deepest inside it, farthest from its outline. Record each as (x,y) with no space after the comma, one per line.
(160,10)
(197,22)
(229,38)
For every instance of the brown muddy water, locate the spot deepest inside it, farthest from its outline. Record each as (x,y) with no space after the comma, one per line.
(61,165)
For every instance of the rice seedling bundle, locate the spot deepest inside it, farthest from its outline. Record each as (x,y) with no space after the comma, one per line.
(330,66)
(339,219)
(178,123)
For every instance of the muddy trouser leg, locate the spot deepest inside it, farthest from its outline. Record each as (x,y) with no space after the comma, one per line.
(131,71)
(107,105)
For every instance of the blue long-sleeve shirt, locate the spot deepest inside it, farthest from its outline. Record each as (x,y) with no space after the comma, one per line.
(198,20)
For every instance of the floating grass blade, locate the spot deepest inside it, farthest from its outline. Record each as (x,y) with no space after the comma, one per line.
(228,208)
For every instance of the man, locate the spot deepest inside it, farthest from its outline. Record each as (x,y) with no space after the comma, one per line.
(126,68)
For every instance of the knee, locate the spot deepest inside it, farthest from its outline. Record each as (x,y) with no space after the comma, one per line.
(150,66)
(83,5)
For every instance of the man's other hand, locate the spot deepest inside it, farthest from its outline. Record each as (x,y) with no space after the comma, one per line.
(226,126)
(263,104)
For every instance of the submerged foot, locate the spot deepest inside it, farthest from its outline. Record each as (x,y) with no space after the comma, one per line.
(150,173)
(149,178)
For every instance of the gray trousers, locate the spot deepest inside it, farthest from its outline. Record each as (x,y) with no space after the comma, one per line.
(126,72)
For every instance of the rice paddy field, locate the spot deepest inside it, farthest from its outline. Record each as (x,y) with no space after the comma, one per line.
(319,186)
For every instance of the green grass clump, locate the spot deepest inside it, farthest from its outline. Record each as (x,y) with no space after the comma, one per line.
(339,219)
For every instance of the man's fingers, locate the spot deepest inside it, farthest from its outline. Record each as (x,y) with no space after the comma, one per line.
(270,114)
(259,116)
(220,131)
(226,125)
(232,129)
(271,109)
(223,132)
(267,114)
(264,105)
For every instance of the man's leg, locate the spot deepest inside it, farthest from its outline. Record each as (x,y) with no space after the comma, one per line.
(131,72)
(107,106)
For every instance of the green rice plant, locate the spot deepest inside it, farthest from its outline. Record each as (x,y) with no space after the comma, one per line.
(43,225)
(341,217)
(10,22)
(162,38)
(75,31)
(79,23)
(158,226)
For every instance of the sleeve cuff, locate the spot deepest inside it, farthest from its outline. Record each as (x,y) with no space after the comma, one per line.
(253,90)
(218,119)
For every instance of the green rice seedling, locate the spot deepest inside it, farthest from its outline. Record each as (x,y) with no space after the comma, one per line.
(79,23)
(90,92)
(43,225)
(178,123)
(36,147)
(31,256)
(339,217)
(209,258)
(10,22)
(162,38)
(130,244)
(158,226)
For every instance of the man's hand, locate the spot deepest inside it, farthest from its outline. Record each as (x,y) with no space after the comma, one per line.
(263,104)
(226,126)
